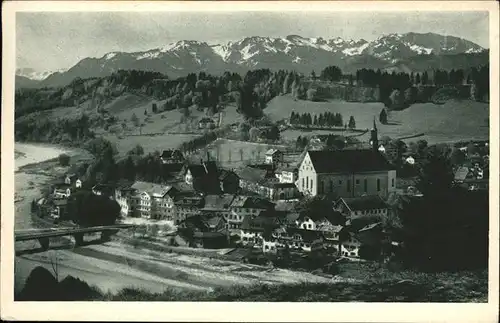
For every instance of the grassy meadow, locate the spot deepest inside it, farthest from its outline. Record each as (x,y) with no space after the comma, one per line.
(452,121)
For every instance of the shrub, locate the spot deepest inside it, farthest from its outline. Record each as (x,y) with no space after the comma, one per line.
(64,160)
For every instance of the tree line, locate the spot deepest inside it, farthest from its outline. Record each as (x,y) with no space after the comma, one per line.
(327,119)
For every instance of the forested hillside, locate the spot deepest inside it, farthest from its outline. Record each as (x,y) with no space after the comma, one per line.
(82,104)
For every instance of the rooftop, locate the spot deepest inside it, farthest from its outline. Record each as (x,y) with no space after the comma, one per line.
(170,153)
(200,170)
(218,202)
(364,203)
(151,188)
(348,160)
(251,202)
(272,151)
(252,174)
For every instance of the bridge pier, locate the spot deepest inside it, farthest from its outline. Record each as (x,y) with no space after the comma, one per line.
(78,239)
(105,235)
(44,242)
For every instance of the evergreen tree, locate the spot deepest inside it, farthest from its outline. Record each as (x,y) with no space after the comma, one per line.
(383,117)
(425,78)
(352,123)
(417,79)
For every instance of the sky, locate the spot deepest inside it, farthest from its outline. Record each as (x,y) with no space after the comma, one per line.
(49,41)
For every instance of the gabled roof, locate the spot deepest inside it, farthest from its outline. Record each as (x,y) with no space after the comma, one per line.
(272,151)
(254,202)
(252,174)
(364,203)
(348,161)
(62,186)
(279,185)
(151,188)
(307,235)
(218,202)
(203,169)
(224,173)
(171,153)
(206,120)
(260,223)
(461,173)
(189,200)
(60,202)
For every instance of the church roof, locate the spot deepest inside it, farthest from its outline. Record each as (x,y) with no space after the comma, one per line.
(348,161)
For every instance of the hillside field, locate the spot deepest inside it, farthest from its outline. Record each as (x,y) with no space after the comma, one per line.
(452,121)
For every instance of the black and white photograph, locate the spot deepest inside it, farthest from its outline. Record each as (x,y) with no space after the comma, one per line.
(247,156)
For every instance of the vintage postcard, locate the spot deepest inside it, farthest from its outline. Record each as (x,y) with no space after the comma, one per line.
(250,161)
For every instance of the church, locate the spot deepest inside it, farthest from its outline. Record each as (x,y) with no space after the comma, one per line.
(348,172)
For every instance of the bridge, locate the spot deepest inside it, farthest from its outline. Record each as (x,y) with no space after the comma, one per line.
(44,235)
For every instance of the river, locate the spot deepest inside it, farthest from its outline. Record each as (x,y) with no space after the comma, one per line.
(107,275)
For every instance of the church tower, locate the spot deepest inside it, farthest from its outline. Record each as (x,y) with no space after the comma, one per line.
(374,137)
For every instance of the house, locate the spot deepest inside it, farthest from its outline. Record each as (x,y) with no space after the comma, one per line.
(62,190)
(152,201)
(409,160)
(229,181)
(203,177)
(73,179)
(292,238)
(274,156)
(279,191)
(287,174)
(187,205)
(353,207)
(327,224)
(253,228)
(367,242)
(256,180)
(381,148)
(218,205)
(346,173)
(204,231)
(104,190)
(59,208)
(246,206)
(206,123)
(123,194)
(172,156)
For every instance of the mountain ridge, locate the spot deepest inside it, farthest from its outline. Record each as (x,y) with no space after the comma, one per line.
(291,52)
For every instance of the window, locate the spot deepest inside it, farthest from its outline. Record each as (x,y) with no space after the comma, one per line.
(357,181)
(378,184)
(307,182)
(348,185)
(392,182)
(366,185)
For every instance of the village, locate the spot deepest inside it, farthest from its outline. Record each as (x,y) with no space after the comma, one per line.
(273,207)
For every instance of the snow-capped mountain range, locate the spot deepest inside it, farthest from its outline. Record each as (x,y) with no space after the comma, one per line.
(290,52)
(34,75)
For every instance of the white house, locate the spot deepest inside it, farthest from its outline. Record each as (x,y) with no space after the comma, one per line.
(153,200)
(72,179)
(346,173)
(274,156)
(287,174)
(62,190)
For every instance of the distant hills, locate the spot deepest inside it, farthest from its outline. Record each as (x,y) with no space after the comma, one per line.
(399,52)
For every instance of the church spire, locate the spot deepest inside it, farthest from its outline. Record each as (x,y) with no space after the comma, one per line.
(374,136)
